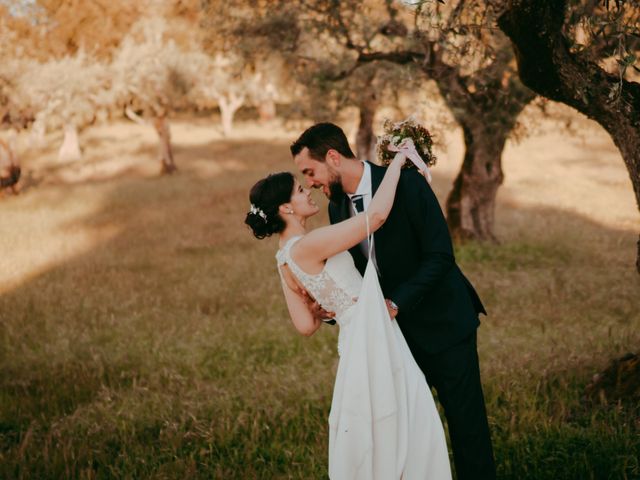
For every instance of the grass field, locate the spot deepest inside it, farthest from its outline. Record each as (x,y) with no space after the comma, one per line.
(143,333)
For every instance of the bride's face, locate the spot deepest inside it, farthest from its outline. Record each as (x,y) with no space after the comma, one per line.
(301,202)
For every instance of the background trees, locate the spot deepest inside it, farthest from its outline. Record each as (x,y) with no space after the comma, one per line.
(152,77)
(459,46)
(472,67)
(323,56)
(227,82)
(67,93)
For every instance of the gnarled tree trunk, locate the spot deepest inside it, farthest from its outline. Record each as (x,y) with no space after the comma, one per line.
(471,203)
(161,124)
(548,67)
(70,148)
(365,139)
(486,105)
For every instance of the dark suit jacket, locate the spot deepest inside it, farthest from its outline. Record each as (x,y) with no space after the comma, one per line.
(438,306)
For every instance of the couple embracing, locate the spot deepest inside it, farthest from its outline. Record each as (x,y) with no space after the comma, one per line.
(385,271)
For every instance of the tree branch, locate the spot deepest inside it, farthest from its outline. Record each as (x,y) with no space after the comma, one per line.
(134,117)
(397,57)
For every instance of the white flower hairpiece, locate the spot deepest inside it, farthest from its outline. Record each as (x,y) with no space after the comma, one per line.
(258,211)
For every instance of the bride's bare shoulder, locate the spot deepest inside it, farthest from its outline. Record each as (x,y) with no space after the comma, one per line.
(305,255)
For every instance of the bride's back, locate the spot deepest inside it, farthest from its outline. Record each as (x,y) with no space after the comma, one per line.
(335,288)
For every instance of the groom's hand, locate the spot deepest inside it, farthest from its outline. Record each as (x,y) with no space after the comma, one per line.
(316,310)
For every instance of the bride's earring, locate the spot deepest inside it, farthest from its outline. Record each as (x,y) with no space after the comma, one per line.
(290,211)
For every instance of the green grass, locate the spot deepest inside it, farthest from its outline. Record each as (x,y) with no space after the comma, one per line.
(165,350)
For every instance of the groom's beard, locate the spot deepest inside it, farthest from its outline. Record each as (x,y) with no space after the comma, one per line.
(336,192)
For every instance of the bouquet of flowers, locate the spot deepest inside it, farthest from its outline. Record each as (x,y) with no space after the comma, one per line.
(396,134)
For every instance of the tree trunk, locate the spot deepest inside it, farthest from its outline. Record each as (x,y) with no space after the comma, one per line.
(228,108)
(70,148)
(365,139)
(628,142)
(546,65)
(471,203)
(266,110)
(9,168)
(161,124)
(227,120)
(487,115)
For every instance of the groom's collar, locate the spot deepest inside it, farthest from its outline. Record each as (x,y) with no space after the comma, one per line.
(364,187)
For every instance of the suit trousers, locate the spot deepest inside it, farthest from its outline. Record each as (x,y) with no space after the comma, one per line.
(455,375)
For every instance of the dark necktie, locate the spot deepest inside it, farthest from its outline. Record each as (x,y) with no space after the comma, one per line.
(358,203)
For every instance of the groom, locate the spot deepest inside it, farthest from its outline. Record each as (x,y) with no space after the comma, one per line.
(435,305)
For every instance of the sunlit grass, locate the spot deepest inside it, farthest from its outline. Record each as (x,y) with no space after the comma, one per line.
(164,350)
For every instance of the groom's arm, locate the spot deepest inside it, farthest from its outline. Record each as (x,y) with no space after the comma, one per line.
(436,250)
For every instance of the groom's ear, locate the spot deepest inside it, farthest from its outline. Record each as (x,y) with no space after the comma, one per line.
(333,158)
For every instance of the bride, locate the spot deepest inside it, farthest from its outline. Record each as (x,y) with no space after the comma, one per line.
(383,421)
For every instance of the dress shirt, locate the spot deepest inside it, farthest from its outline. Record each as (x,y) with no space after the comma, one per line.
(364,189)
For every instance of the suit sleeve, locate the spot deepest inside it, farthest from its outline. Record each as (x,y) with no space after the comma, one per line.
(436,251)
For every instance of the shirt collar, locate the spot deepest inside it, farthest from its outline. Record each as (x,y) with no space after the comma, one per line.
(364,187)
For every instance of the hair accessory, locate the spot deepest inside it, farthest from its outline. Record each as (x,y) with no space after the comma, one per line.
(258,211)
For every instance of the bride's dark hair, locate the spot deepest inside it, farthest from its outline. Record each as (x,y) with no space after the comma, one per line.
(265,197)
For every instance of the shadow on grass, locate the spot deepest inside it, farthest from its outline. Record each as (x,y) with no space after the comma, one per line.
(166,350)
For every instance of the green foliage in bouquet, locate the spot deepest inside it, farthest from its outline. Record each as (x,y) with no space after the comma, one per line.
(396,132)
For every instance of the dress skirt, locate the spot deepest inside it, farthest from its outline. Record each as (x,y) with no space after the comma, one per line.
(383,423)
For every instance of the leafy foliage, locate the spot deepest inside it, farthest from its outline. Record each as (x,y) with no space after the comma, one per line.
(150,72)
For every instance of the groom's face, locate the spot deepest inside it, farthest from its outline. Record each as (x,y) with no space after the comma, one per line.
(319,175)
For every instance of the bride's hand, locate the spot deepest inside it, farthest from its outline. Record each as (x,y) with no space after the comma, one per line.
(407,149)
(403,149)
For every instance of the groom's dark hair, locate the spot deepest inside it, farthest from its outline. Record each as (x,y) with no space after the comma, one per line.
(319,139)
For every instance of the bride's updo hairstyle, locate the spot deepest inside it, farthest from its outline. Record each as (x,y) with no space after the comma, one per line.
(266,196)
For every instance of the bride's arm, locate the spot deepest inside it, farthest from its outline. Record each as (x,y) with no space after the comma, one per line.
(324,242)
(301,316)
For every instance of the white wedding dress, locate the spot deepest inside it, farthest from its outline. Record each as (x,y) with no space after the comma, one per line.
(383,423)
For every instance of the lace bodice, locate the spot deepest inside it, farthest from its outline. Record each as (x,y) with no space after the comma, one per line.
(336,288)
